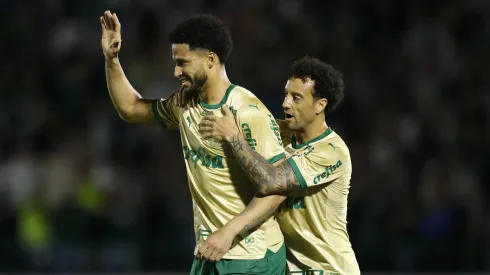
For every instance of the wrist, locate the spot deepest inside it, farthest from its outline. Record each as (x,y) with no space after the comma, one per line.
(232,135)
(112,60)
(234,227)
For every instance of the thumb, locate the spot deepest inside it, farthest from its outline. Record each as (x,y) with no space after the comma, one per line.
(225,110)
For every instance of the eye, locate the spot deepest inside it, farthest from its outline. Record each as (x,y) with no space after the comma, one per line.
(296,98)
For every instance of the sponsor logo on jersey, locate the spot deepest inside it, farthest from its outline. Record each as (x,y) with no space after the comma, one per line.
(294,203)
(248,136)
(328,171)
(274,127)
(202,157)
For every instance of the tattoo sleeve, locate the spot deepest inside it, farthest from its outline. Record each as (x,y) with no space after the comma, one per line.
(267,178)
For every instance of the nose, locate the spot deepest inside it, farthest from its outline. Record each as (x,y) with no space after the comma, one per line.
(286,104)
(177,72)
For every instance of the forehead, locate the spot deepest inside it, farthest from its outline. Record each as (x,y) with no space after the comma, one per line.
(300,86)
(182,51)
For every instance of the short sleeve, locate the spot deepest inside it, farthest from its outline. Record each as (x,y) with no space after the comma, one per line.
(261,132)
(166,113)
(319,167)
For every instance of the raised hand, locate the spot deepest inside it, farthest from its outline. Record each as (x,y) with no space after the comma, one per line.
(111,35)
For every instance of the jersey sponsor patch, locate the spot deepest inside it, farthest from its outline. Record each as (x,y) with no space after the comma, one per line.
(328,171)
(201,157)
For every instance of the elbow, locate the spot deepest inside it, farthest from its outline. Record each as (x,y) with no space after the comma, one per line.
(127,114)
(265,191)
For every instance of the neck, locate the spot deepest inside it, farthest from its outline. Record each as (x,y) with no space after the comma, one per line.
(311,131)
(215,87)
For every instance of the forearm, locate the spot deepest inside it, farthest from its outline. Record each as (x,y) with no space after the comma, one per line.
(124,97)
(265,177)
(257,212)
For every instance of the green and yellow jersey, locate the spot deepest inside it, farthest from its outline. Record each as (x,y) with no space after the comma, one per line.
(219,189)
(314,220)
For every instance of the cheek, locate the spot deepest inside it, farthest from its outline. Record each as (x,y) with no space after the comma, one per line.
(308,115)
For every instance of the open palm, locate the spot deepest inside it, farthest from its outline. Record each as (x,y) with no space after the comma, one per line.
(111,34)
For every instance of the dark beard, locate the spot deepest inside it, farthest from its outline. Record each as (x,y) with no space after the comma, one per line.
(198,82)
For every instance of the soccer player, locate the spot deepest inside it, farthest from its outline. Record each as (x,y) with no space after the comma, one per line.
(219,189)
(316,176)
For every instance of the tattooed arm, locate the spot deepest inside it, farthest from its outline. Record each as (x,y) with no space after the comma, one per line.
(267,178)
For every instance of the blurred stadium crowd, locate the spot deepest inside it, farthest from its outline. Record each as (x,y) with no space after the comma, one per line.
(81,190)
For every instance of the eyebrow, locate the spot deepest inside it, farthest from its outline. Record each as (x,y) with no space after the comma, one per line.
(180,60)
(293,93)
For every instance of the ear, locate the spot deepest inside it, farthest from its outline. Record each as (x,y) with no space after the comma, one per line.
(320,105)
(212,60)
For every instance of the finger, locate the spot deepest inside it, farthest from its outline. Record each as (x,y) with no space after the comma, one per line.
(206,124)
(204,131)
(102,24)
(214,255)
(209,118)
(225,110)
(207,254)
(220,256)
(117,24)
(108,20)
(204,247)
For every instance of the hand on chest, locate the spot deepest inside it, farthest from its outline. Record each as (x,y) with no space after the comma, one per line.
(191,118)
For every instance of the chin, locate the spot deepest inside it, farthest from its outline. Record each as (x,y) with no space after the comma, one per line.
(292,126)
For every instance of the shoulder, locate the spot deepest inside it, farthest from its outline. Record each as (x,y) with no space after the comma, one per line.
(245,101)
(329,151)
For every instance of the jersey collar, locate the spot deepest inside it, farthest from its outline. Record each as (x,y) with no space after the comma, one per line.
(223,101)
(299,146)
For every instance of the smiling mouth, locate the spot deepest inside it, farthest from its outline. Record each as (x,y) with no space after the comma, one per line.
(288,116)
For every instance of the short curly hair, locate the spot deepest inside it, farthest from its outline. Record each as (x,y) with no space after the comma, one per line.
(204,31)
(328,81)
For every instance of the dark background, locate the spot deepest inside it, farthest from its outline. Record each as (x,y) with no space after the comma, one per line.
(80,190)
